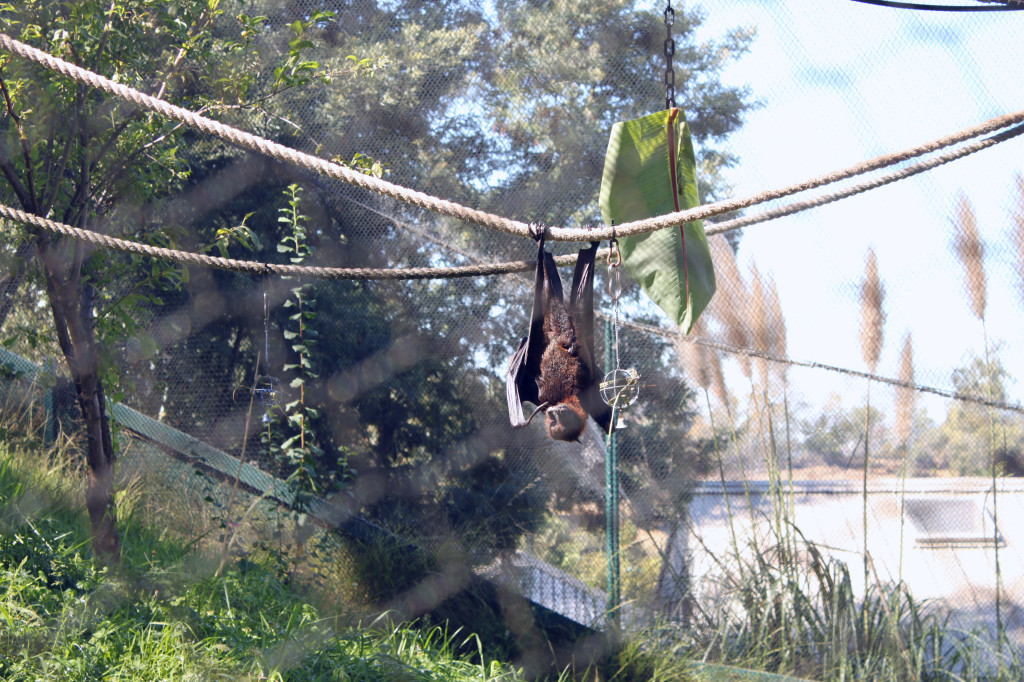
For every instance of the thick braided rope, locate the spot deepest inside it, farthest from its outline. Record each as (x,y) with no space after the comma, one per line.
(480,269)
(875,183)
(771,357)
(261,145)
(464,213)
(255,267)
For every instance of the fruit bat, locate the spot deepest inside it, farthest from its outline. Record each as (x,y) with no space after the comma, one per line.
(554,367)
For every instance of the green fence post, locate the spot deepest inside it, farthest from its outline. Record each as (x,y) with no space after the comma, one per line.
(611,505)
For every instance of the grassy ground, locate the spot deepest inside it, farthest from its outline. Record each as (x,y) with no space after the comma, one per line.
(164,614)
(168,613)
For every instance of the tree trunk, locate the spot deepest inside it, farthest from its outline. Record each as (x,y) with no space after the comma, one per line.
(72,307)
(99,496)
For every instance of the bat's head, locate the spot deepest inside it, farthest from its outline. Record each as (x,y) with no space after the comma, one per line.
(566,420)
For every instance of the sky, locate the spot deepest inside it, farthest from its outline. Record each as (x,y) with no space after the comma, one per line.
(840,82)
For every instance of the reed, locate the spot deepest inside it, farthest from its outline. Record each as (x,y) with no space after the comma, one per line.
(694,355)
(970,251)
(905,402)
(703,363)
(872,298)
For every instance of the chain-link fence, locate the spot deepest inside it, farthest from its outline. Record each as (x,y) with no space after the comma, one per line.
(840,380)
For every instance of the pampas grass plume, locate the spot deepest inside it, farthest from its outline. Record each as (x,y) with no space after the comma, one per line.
(778,327)
(761,335)
(905,397)
(730,304)
(971,252)
(872,298)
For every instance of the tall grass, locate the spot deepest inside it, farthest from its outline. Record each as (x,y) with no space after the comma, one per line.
(786,606)
(872,329)
(970,250)
(906,399)
(761,334)
(779,602)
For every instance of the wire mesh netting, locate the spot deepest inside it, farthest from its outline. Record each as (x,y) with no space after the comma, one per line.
(840,383)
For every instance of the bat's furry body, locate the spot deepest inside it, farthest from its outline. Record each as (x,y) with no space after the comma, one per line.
(554,366)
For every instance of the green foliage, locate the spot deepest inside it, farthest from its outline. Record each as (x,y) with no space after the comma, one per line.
(836,434)
(601,63)
(971,433)
(296,70)
(296,441)
(492,504)
(77,157)
(395,382)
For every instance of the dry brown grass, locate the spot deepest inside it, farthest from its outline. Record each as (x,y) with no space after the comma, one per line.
(971,252)
(872,299)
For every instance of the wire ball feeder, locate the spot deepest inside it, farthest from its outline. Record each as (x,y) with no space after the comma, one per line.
(620,387)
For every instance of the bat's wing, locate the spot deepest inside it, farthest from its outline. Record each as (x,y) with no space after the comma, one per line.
(524,365)
(581,302)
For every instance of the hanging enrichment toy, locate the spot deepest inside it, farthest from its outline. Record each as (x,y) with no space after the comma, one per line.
(621,387)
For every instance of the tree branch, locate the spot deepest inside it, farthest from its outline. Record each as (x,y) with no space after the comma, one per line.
(25,195)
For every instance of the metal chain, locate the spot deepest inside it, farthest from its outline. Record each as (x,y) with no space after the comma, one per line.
(265,386)
(266,329)
(670,51)
(615,291)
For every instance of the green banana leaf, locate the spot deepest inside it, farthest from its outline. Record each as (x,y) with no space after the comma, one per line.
(677,274)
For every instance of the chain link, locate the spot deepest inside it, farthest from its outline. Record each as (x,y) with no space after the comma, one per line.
(615,291)
(670,51)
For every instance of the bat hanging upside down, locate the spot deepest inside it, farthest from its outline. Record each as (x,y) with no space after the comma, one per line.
(554,367)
